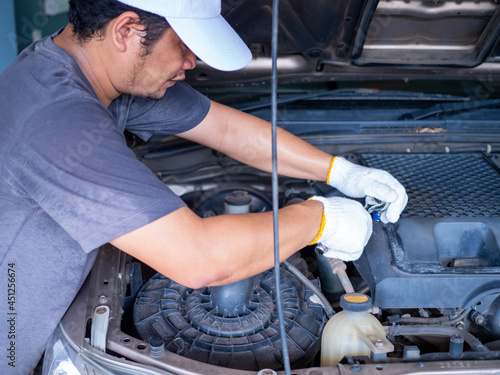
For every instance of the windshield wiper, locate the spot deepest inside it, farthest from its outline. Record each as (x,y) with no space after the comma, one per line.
(444,108)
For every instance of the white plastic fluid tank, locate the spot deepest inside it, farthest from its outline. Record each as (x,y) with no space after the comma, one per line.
(353,332)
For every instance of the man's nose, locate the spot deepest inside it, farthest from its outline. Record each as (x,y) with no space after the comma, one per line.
(189,60)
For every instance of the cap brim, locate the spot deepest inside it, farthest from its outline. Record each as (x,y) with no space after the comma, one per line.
(214,41)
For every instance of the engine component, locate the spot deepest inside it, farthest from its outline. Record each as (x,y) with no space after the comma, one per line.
(436,330)
(214,202)
(193,323)
(486,313)
(237,202)
(444,251)
(354,332)
(99,327)
(338,268)
(233,299)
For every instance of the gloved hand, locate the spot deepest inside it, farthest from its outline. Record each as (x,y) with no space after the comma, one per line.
(358,182)
(345,229)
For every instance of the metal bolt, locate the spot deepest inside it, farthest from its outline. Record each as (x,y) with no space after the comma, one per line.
(103,299)
(479,319)
(379,344)
(356,368)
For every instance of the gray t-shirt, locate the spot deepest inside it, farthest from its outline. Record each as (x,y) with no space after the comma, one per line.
(68,185)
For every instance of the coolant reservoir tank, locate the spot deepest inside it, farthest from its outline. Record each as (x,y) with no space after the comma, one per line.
(354,332)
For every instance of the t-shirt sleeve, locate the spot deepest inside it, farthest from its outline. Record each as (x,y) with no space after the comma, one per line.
(180,109)
(73,161)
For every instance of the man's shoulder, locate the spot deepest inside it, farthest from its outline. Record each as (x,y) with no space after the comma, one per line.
(41,90)
(43,74)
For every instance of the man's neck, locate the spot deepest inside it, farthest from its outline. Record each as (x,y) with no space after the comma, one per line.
(90,57)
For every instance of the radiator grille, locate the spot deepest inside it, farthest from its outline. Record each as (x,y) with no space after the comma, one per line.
(444,185)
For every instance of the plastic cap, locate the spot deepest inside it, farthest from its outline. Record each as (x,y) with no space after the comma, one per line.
(355,302)
(238,198)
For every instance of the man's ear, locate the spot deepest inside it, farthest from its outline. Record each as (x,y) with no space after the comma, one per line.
(125,31)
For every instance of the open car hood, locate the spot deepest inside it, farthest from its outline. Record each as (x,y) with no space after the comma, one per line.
(326,40)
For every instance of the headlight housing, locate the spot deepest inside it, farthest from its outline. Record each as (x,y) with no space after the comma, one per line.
(65,357)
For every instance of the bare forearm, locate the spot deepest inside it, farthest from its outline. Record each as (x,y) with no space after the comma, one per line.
(223,249)
(248,139)
(228,248)
(251,239)
(296,158)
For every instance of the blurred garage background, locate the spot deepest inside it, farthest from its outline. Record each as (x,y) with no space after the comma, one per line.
(25,21)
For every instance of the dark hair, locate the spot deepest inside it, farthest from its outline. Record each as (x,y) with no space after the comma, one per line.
(90,17)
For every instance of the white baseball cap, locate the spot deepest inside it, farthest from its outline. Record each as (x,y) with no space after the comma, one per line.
(203,30)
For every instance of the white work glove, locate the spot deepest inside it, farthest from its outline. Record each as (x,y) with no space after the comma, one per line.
(358,182)
(346,227)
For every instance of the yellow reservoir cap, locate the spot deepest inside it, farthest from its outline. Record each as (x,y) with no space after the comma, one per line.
(355,302)
(356,298)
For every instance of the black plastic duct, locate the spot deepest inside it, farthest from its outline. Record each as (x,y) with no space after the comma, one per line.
(196,323)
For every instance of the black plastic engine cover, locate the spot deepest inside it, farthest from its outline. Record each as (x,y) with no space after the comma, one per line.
(191,325)
(445,250)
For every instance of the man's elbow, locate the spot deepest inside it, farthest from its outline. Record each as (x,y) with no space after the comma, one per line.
(196,279)
(193,282)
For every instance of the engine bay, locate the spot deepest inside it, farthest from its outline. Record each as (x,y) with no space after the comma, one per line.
(432,279)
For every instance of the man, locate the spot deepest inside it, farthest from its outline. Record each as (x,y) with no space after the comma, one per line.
(70,184)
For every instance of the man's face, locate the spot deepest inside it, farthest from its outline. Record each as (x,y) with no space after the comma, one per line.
(166,64)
